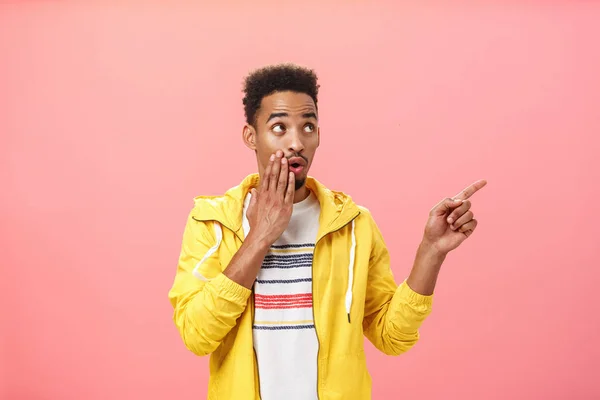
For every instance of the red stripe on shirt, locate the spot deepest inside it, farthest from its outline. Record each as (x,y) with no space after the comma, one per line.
(282,306)
(282,297)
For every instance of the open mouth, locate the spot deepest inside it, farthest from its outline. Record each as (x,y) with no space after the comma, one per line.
(297,164)
(296,168)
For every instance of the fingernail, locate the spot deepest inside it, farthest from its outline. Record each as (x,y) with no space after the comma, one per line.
(457,200)
(283,160)
(272,157)
(450,220)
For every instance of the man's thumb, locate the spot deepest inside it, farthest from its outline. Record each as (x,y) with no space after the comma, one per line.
(446,205)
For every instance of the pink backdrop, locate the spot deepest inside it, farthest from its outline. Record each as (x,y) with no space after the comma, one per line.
(112,117)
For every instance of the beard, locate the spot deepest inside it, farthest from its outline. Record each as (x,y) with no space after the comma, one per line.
(299,183)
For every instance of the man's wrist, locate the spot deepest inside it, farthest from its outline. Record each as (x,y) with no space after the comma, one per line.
(257,242)
(423,276)
(429,251)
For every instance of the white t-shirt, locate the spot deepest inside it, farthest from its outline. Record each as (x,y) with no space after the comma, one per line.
(284,333)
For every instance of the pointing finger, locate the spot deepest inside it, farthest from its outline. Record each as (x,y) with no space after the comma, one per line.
(470,190)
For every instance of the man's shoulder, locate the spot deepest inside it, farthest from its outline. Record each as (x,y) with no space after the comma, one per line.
(232,195)
(201,200)
(341,199)
(220,207)
(363,209)
(366,216)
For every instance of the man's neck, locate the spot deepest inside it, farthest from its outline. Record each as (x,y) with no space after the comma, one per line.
(301,194)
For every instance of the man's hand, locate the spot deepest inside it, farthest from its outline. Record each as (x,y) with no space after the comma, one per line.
(268,214)
(451,221)
(270,207)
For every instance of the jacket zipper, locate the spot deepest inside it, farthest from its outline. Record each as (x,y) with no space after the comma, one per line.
(313,291)
(312,277)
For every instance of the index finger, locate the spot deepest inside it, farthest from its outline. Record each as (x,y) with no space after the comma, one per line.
(470,190)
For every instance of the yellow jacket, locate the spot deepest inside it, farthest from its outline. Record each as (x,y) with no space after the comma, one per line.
(354,294)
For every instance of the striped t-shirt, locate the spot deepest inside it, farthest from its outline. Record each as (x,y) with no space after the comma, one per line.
(284,334)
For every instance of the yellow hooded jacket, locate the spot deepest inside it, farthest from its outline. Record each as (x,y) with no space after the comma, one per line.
(354,294)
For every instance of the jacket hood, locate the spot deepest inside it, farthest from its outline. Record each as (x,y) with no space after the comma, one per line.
(337,208)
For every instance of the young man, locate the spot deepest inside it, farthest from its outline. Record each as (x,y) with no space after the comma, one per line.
(280,278)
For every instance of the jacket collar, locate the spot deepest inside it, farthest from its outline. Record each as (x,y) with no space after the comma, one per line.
(337,208)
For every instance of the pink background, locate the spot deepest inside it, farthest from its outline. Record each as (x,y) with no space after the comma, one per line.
(113,116)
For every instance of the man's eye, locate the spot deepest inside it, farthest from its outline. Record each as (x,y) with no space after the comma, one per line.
(278,128)
(309,128)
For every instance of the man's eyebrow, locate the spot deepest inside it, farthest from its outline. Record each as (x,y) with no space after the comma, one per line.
(310,115)
(276,115)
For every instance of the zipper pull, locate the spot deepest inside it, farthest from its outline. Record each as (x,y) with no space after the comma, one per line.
(348,317)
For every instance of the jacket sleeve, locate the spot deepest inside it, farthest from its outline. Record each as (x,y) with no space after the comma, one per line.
(206,303)
(393,314)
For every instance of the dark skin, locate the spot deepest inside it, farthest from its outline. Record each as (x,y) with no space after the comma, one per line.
(286,128)
(287,123)
(269,213)
(450,223)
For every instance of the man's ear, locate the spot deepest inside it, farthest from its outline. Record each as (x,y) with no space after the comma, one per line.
(249,137)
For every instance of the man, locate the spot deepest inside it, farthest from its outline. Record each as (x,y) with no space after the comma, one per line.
(280,278)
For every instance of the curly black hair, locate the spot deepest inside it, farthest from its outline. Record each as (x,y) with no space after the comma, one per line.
(277,78)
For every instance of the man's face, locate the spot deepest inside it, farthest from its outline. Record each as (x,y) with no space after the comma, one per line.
(286,121)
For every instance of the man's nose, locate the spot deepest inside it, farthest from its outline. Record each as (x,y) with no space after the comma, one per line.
(295,141)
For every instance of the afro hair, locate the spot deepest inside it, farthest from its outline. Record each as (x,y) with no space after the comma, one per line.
(276,78)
